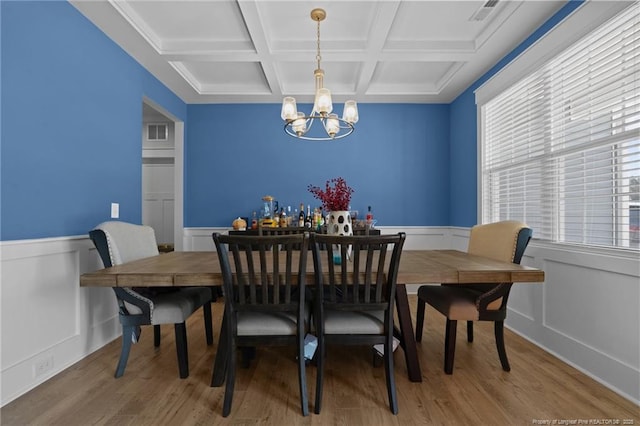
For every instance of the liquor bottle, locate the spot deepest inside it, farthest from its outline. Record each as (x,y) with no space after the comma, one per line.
(289,217)
(369,218)
(301,216)
(283,218)
(321,219)
(317,216)
(254,220)
(308,219)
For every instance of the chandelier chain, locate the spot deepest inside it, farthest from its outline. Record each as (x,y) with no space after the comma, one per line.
(318,57)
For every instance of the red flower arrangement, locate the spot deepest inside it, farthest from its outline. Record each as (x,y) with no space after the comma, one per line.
(336,195)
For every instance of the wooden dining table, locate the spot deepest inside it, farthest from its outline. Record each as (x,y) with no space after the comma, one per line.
(199,268)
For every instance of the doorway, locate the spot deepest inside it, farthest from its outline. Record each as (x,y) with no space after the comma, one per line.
(162,140)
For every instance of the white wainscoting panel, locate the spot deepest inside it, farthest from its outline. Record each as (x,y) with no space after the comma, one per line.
(587,312)
(48,321)
(459,238)
(199,239)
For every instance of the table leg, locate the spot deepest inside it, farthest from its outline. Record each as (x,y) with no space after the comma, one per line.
(220,363)
(407,338)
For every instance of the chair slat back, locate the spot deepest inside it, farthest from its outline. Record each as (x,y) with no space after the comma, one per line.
(265,273)
(361,271)
(267,231)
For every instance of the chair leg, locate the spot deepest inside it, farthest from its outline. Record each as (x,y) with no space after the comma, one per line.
(470,331)
(231,377)
(219,372)
(390,377)
(320,354)
(377,360)
(156,335)
(420,319)
(502,353)
(208,327)
(450,345)
(302,376)
(127,332)
(248,353)
(181,348)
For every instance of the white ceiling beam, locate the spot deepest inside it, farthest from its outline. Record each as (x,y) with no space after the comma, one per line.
(261,41)
(377,38)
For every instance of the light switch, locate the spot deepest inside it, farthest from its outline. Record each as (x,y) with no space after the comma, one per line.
(115,210)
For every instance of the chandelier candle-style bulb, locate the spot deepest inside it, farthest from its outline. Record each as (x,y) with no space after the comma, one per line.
(350,113)
(289,110)
(300,124)
(323,104)
(333,125)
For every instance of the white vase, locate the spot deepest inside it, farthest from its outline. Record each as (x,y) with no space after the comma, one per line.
(339,223)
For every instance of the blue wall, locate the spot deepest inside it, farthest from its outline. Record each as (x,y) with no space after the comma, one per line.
(397,161)
(70,136)
(464,142)
(71,122)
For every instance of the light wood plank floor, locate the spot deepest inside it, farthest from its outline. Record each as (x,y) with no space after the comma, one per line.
(538,388)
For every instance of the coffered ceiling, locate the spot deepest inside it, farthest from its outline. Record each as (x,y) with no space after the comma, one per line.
(223,51)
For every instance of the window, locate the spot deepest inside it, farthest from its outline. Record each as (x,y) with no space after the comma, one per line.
(560,149)
(157,132)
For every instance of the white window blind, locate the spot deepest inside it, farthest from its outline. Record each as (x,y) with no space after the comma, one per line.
(560,149)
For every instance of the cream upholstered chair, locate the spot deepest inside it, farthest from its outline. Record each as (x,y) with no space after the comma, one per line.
(357,308)
(503,241)
(265,299)
(120,242)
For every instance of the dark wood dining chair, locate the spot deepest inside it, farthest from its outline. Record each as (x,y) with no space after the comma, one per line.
(265,299)
(120,242)
(355,308)
(504,241)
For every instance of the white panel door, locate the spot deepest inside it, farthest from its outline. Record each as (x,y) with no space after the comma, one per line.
(158,197)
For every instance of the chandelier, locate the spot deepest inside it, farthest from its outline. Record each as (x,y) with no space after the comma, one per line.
(298,124)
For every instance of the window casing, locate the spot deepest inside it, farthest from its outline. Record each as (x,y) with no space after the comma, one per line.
(560,149)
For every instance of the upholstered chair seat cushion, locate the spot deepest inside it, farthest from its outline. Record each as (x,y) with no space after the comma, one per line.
(271,323)
(454,303)
(344,322)
(177,307)
(266,324)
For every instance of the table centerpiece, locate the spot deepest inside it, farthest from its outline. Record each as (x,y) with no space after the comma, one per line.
(335,198)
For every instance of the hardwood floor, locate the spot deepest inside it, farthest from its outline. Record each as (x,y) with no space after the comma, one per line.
(538,388)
